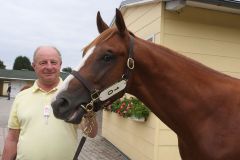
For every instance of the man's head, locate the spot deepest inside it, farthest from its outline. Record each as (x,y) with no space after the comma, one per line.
(47,64)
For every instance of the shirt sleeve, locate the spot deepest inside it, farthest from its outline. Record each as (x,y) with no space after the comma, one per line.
(13,121)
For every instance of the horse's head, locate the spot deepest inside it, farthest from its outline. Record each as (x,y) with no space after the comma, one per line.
(102,76)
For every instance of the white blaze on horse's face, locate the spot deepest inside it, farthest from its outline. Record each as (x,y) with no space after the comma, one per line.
(66,82)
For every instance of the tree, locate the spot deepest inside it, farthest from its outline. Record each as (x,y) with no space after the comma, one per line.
(67,69)
(22,62)
(2,66)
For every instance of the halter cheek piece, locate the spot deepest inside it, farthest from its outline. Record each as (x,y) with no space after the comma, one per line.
(97,96)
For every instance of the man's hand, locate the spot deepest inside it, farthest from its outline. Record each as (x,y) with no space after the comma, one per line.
(10,146)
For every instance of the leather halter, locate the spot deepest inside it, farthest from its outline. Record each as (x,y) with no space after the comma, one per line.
(90,87)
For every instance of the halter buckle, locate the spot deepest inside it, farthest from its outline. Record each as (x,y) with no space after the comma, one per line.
(130,63)
(89,107)
(95,95)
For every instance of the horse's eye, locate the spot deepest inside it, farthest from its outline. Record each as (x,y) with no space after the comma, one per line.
(108,57)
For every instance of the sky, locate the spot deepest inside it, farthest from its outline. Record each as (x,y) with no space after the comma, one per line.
(68,25)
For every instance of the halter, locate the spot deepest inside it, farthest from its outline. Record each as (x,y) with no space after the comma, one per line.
(97,96)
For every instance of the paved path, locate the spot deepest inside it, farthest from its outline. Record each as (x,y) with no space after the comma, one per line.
(97,148)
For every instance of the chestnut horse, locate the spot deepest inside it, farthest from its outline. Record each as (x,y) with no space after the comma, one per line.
(200,105)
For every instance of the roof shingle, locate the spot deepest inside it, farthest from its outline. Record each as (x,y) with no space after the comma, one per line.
(23,74)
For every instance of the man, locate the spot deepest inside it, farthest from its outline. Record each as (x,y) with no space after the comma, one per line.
(34,133)
(9,91)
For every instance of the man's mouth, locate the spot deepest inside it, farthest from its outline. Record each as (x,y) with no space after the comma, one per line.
(49,74)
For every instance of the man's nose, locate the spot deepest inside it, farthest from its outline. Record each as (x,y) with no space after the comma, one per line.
(49,65)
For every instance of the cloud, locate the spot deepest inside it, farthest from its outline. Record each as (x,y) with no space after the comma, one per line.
(68,25)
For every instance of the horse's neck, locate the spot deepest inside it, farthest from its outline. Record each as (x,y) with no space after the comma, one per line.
(174,87)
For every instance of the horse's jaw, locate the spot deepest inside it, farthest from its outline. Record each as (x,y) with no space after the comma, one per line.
(68,109)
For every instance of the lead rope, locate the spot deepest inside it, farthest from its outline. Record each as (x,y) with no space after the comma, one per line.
(89,118)
(83,139)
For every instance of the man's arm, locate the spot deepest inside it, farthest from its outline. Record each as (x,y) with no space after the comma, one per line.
(10,146)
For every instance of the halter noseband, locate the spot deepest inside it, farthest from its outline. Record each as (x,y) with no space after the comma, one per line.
(100,96)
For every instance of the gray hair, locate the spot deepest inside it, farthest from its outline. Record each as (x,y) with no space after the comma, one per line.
(36,51)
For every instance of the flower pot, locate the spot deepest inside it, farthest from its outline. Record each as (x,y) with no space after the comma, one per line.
(142,119)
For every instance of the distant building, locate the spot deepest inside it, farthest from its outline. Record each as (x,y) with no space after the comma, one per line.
(18,79)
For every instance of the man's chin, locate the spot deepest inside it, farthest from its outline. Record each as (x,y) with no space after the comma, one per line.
(51,79)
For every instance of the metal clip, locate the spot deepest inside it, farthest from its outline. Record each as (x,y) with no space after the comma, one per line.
(130,63)
(95,95)
(89,107)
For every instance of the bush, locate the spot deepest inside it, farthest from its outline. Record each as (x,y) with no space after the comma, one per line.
(130,107)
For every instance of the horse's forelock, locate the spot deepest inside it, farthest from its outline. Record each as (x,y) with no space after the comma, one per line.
(101,38)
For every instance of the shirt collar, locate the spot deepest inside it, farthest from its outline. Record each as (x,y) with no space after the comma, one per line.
(37,88)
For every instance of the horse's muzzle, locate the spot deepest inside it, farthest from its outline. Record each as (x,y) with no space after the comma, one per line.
(62,109)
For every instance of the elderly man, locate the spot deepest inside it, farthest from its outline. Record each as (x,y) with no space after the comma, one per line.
(34,133)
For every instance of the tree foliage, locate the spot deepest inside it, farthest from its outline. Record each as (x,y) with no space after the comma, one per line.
(22,62)
(67,69)
(2,66)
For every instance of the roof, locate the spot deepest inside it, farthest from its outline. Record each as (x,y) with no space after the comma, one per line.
(219,4)
(128,3)
(22,75)
(135,2)
(227,3)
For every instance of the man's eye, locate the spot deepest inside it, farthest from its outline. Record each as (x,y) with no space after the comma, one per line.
(42,63)
(53,62)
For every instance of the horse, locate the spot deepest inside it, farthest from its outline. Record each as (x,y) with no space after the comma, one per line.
(201,105)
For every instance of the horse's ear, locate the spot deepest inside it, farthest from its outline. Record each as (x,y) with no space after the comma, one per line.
(102,26)
(120,22)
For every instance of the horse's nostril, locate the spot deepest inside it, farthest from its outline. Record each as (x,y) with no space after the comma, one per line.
(61,102)
(60,107)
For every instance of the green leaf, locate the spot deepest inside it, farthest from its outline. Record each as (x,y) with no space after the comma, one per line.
(137,109)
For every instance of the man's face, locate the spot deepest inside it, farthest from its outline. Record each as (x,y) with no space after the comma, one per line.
(47,65)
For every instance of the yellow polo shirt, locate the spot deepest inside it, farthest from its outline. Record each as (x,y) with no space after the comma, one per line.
(38,139)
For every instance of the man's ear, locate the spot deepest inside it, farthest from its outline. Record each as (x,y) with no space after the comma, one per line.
(33,66)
